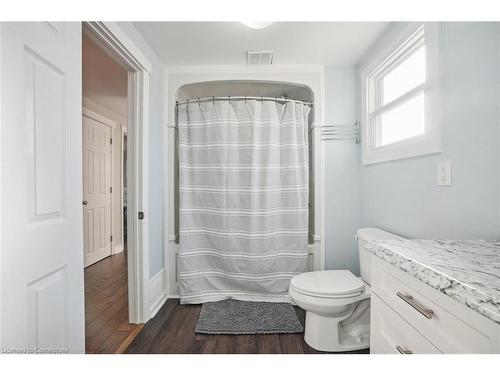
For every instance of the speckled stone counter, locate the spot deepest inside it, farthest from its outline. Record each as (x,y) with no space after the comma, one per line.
(465,270)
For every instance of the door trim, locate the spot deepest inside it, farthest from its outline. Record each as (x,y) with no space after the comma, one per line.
(114,40)
(98,117)
(1,182)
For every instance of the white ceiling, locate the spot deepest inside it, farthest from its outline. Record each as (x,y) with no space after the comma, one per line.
(226,43)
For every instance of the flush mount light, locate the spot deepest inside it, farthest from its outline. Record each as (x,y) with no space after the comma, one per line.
(257,25)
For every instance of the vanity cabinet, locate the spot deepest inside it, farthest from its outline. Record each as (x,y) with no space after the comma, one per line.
(408,316)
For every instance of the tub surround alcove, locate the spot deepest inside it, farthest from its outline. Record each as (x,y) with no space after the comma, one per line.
(295,82)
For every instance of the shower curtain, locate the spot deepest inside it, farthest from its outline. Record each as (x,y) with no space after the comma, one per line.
(244,189)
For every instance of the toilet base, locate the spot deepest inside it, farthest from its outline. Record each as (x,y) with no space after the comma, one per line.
(327,334)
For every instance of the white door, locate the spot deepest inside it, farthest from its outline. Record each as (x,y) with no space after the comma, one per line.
(96,190)
(41,275)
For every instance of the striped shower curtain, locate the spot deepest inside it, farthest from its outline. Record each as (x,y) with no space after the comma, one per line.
(243,175)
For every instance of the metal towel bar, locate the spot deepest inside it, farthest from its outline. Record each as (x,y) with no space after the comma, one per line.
(341,132)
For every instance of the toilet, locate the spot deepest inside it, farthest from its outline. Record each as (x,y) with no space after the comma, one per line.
(337,303)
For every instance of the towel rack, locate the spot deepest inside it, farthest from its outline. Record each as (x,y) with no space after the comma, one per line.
(341,132)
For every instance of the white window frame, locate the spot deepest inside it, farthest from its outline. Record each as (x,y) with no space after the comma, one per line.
(397,48)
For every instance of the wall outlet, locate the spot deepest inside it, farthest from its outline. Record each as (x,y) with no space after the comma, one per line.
(444,173)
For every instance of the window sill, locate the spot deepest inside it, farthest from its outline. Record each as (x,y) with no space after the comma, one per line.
(418,146)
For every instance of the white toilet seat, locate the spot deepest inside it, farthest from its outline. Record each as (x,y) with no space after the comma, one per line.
(328,284)
(327,297)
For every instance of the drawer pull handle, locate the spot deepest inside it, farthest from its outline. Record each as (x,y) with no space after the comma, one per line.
(410,301)
(403,351)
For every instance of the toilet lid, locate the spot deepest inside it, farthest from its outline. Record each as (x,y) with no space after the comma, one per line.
(338,283)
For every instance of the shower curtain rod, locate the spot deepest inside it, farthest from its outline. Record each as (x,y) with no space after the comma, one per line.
(229,98)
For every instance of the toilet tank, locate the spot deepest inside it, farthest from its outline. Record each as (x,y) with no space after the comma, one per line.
(363,236)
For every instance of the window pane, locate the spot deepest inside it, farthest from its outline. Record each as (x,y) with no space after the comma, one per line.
(402,122)
(406,76)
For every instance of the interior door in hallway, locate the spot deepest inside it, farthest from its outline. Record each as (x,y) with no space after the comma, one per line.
(41,262)
(96,190)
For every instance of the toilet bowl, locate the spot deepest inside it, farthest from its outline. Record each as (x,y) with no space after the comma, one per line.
(330,298)
(337,303)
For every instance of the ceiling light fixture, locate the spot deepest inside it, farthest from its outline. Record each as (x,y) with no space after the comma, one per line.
(257,25)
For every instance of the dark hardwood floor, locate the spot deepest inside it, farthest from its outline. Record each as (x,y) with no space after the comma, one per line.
(107,329)
(172,331)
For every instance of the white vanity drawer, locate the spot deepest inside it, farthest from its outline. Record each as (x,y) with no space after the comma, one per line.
(389,333)
(413,300)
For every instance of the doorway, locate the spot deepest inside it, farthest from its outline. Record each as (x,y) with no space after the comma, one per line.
(115,102)
(104,130)
(112,39)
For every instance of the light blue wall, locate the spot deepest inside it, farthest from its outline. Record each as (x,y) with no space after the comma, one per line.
(156,183)
(342,172)
(402,196)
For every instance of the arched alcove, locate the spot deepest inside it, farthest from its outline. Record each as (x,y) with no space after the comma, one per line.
(257,88)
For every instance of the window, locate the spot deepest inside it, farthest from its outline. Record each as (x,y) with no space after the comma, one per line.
(397,121)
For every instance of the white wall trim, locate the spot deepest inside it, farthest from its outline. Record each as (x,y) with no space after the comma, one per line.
(98,117)
(99,109)
(122,48)
(112,37)
(1,182)
(158,291)
(167,240)
(311,76)
(117,249)
(320,212)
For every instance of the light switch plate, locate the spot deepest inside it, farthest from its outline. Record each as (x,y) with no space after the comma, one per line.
(444,173)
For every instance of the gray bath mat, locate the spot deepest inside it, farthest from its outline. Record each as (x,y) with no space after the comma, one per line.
(233,317)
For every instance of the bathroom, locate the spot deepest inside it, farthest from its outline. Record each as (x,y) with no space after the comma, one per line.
(352,187)
(286,186)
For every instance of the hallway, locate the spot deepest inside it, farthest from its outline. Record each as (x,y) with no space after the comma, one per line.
(107,329)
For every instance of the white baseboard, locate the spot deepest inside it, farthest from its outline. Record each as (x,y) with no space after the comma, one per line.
(158,303)
(158,292)
(117,249)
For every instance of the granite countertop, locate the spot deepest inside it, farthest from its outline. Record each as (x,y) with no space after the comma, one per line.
(466,270)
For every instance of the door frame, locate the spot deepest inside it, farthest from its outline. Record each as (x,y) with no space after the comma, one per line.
(1,182)
(113,39)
